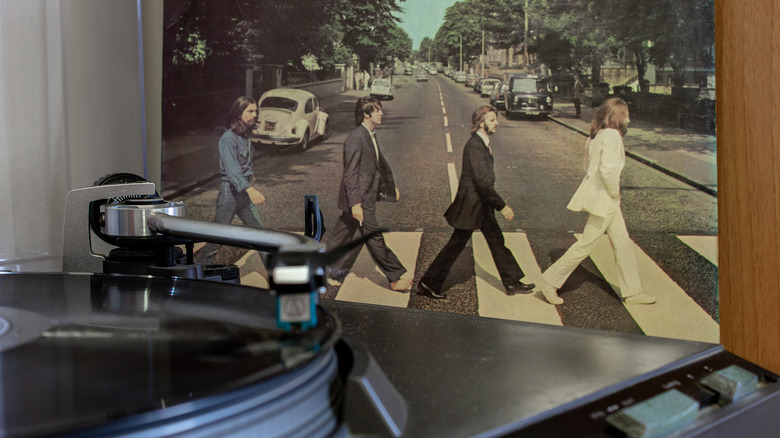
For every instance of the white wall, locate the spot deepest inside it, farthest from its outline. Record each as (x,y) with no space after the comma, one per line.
(152,18)
(70,112)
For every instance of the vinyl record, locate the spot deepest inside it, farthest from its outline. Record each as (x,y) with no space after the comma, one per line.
(94,354)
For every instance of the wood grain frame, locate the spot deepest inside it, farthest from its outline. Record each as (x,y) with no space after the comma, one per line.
(747,36)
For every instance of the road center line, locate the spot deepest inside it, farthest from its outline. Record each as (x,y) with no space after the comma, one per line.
(452,173)
(453,176)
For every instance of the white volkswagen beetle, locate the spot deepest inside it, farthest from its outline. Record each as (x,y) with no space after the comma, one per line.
(288,116)
(382,88)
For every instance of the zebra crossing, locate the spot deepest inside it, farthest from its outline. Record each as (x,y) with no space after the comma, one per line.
(687,306)
(675,315)
(493,302)
(366,284)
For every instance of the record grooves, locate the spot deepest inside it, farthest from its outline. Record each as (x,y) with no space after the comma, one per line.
(94,354)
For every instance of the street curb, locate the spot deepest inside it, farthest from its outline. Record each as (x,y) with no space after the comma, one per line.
(652,163)
(176,191)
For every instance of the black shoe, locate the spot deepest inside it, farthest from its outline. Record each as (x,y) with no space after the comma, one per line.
(513,289)
(336,277)
(424,290)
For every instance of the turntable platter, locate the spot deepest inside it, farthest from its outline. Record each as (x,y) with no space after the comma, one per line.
(110,354)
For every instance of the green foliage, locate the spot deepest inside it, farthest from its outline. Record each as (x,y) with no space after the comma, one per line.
(398,44)
(679,24)
(504,21)
(215,35)
(426,47)
(571,35)
(462,28)
(370,28)
(193,51)
(204,38)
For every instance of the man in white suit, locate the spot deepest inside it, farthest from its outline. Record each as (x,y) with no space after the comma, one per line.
(599,195)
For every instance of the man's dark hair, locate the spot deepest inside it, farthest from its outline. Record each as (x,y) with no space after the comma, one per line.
(364,107)
(235,113)
(479,116)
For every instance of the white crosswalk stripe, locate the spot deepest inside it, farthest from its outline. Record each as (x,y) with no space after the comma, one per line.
(706,246)
(493,301)
(253,271)
(675,315)
(365,284)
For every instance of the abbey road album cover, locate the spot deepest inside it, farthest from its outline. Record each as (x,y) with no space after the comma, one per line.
(533,160)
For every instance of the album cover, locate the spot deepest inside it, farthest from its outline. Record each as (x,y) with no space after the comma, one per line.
(269,101)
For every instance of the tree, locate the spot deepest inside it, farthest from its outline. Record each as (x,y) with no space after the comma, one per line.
(334,51)
(366,25)
(656,31)
(211,43)
(398,44)
(208,45)
(424,52)
(503,20)
(215,35)
(461,20)
(586,28)
(685,38)
(576,35)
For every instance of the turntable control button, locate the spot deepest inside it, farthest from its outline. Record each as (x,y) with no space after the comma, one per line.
(731,383)
(656,416)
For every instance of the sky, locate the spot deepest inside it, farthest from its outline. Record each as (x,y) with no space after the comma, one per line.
(422,18)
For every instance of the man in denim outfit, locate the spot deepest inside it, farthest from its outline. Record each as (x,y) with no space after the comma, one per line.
(237,194)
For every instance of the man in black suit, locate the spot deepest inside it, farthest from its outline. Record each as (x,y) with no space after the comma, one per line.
(474,209)
(366,179)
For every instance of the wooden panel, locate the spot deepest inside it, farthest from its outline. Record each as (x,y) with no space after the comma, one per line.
(748,129)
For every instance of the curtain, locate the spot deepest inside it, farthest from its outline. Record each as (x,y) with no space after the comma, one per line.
(71,111)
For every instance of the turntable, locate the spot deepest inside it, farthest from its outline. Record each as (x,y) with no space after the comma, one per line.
(143,342)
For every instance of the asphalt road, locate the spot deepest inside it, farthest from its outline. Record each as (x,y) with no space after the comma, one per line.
(538,167)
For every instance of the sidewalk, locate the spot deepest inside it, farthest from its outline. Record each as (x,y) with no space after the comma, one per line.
(687,156)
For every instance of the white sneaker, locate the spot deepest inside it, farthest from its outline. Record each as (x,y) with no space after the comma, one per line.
(640,298)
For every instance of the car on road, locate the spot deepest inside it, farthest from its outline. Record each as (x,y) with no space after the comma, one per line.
(497,95)
(486,86)
(287,117)
(408,70)
(478,83)
(471,79)
(422,75)
(382,88)
(459,76)
(529,95)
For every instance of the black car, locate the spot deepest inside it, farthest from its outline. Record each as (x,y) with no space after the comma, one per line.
(497,95)
(529,95)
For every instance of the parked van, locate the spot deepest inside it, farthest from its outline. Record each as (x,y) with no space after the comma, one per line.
(529,95)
